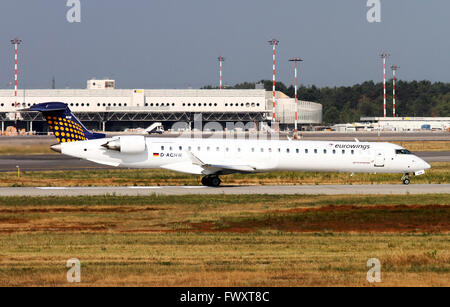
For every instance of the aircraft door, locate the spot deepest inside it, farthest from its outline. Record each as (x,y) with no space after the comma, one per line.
(379,159)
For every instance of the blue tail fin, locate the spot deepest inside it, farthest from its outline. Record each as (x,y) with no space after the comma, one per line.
(62,122)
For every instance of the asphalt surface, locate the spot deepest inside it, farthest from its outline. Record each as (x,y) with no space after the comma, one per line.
(397,189)
(60,162)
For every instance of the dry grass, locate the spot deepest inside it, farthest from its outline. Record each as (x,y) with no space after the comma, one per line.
(438,174)
(150,241)
(425,145)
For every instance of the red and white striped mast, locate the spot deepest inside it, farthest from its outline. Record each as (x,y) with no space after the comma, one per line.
(394,69)
(295,60)
(221,59)
(384,55)
(16,42)
(273,43)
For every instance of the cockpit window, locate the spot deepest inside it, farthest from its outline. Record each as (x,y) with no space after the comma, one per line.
(403,152)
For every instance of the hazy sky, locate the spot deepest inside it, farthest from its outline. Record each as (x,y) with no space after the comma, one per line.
(175,44)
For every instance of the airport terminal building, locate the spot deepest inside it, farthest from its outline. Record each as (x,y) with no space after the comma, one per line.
(102,107)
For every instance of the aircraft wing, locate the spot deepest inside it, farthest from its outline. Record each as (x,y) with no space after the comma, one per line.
(197,166)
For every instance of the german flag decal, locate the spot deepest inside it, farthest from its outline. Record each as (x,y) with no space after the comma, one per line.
(155,154)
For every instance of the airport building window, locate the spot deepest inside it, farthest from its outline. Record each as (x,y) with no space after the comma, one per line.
(215,104)
(98,104)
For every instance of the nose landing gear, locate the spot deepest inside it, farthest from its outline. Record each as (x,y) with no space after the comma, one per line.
(406,179)
(211,181)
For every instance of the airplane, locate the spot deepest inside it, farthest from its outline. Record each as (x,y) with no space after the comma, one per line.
(213,158)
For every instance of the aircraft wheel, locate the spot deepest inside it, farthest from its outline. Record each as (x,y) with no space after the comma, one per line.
(215,181)
(205,180)
(405,179)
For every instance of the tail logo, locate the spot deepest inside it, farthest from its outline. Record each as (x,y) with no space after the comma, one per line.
(66,131)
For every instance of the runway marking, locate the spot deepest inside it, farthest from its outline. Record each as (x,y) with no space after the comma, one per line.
(192,187)
(144,188)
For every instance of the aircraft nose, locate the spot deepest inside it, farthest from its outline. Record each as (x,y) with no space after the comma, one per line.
(427,166)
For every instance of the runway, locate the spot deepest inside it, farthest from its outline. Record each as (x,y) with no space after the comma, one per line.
(54,162)
(397,189)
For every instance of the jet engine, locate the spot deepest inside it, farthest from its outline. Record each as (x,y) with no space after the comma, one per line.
(132,144)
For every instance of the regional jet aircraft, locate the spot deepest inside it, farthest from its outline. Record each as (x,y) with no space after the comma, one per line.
(215,157)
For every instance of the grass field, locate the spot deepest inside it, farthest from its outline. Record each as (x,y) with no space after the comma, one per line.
(220,240)
(438,174)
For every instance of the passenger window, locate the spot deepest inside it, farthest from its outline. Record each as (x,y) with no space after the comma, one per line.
(343,151)
(324,151)
(297,150)
(217,149)
(306,151)
(262,149)
(352,152)
(287,150)
(334,151)
(207,148)
(315,151)
(253,149)
(189,148)
(199,148)
(239,150)
(162,147)
(181,148)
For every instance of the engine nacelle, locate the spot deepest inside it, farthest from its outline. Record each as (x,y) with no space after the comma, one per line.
(130,144)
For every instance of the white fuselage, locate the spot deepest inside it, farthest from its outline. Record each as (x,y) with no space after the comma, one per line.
(226,156)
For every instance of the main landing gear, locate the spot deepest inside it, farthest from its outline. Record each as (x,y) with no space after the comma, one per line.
(405,179)
(211,181)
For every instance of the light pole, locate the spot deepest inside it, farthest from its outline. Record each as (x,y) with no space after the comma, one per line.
(16,42)
(295,60)
(384,55)
(221,60)
(273,43)
(394,69)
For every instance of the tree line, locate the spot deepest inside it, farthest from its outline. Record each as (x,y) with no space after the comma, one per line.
(346,104)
